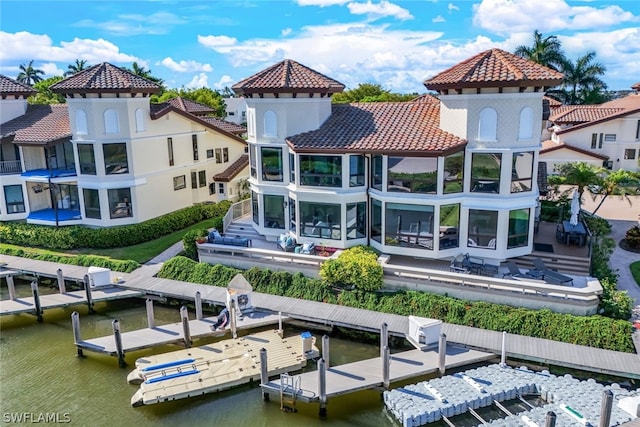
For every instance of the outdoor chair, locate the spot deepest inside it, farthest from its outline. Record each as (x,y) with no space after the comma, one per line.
(456,265)
(474,265)
(560,234)
(514,271)
(551,276)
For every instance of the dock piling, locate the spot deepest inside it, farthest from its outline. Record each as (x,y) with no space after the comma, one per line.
(322,388)
(115,324)
(36,300)
(61,285)
(75,324)
(384,338)
(503,354)
(264,373)
(87,289)
(550,421)
(386,360)
(151,320)
(442,353)
(325,350)
(186,333)
(198,303)
(605,410)
(12,288)
(232,321)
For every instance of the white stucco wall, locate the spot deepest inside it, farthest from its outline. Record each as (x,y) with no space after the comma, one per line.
(12,108)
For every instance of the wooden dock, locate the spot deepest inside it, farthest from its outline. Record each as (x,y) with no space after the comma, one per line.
(215,367)
(367,374)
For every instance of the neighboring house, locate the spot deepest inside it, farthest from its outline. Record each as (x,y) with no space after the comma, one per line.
(430,178)
(108,156)
(236,110)
(603,135)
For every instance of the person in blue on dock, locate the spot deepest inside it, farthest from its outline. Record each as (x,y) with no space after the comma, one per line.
(223,319)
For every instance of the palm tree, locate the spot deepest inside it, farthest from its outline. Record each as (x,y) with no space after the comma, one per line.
(28,74)
(143,72)
(580,174)
(545,51)
(79,65)
(582,76)
(620,182)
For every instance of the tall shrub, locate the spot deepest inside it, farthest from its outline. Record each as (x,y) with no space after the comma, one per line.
(356,268)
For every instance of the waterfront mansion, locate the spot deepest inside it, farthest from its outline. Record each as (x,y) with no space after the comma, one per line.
(108,156)
(430,178)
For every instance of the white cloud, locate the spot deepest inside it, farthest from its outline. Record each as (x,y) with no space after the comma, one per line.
(50,69)
(136,24)
(437,19)
(198,81)
(508,16)
(321,3)
(214,42)
(451,7)
(379,10)
(185,66)
(225,81)
(285,32)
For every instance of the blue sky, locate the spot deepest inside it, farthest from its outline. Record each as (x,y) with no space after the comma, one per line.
(397,43)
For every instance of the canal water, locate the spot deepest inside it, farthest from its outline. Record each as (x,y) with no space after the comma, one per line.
(41,376)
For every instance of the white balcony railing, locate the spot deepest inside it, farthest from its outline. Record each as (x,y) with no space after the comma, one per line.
(10,167)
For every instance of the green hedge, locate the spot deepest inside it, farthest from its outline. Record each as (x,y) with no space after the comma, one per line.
(594,331)
(73,237)
(84,260)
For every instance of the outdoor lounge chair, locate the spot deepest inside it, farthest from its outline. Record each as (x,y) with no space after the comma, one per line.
(552,276)
(514,271)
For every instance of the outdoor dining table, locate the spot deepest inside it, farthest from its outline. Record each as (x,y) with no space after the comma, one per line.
(576,230)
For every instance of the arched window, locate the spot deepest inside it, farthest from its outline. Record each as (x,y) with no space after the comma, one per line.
(81,122)
(525,131)
(488,125)
(270,124)
(111,124)
(140,120)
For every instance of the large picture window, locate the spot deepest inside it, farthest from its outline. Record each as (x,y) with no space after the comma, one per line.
(87,159)
(321,171)
(518,228)
(483,228)
(14,199)
(356,220)
(273,211)
(120,202)
(271,164)
(376,220)
(91,203)
(521,171)
(376,172)
(412,175)
(252,161)
(449,226)
(453,173)
(409,225)
(292,168)
(356,171)
(485,172)
(321,220)
(254,208)
(115,158)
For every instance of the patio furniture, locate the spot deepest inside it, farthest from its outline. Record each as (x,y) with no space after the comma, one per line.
(456,265)
(218,239)
(514,271)
(473,264)
(574,233)
(308,248)
(287,242)
(552,276)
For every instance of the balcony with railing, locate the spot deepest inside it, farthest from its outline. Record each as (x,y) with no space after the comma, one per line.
(10,167)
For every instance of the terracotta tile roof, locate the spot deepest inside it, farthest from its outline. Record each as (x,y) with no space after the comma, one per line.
(224,125)
(549,146)
(376,127)
(233,170)
(426,98)
(183,104)
(105,78)
(553,103)
(287,77)
(9,86)
(635,86)
(40,125)
(575,114)
(494,68)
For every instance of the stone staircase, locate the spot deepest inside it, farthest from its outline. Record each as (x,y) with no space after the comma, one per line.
(242,229)
(579,266)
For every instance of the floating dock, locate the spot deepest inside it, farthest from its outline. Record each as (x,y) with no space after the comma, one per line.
(215,367)
(574,402)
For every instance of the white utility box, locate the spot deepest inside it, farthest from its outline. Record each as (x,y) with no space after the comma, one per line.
(99,276)
(424,332)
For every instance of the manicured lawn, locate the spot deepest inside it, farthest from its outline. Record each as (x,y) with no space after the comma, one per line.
(635,270)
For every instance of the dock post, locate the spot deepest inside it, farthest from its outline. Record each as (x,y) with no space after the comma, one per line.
(87,289)
(184,315)
(61,285)
(232,321)
(386,360)
(151,320)
(280,331)
(322,388)
(325,350)
(503,354)
(264,373)
(550,421)
(605,410)
(198,306)
(75,324)
(384,338)
(442,352)
(12,288)
(116,335)
(36,300)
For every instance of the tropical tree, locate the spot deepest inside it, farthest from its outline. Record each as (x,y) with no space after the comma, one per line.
(143,72)
(370,92)
(28,74)
(546,51)
(620,182)
(580,78)
(44,95)
(79,65)
(579,174)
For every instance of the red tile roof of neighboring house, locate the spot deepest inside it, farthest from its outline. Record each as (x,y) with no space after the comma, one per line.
(287,77)
(380,127)
(494,68)
(426,98)
(549,146)
(40,125)
(635,86)
(233,170)
(589,115)
(553,103)
(183,104)
(105,78)
(225,125)
(9,86)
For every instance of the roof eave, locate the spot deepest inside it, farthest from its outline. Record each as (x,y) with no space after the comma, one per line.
(482,85)
(195,118)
